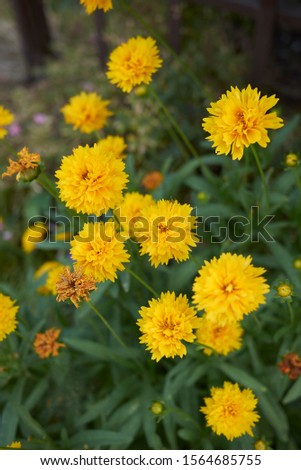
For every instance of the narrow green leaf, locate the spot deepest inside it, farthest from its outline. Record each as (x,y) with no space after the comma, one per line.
(242,377)
(274,414)
(294,392)
(30,422)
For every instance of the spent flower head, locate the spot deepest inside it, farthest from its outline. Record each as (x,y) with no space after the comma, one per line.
(75,286)
(26,167)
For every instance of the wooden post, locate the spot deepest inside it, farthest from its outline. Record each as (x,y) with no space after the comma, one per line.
(101,44)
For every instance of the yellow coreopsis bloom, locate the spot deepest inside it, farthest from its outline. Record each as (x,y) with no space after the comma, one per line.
(52,279)
(238,119)
(129,212)
(165,323)
(45,268)
(133,63)
(91,181)
(223,339)
(26,167)
(113,144)
(230,411)
(92,5)
(167,231)
(32,235)
(229,287)
(8,312)
(88,112)
(98,250)
(6,118)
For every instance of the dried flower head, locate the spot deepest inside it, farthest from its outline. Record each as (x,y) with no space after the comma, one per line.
(26,167)
(75,286)
(238,119)
(291,365)
(152,180)
(45,344)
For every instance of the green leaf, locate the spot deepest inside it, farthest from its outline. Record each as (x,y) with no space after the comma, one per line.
(96,439)
(10,418)
(281,136)
(285,261)
(274,414)
(242,377)
(30,422)
(294,392)
(36,394)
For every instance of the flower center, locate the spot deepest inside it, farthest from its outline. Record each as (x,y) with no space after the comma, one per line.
(230,409)
(162,228)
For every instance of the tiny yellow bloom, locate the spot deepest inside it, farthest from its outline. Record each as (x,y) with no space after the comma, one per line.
(113,144)
(229,287)
(14,445)
(238,119)
(91,180)
(133,63)
(230,412)
(291,160)
(33,235)
(297,263)
(284,290)
(167,232)
(88,112)
(8,312)
(158,408)
(44,269)
(260,445)
(98,250)
(6,118)
(165,323)
(92,5)
(223,339)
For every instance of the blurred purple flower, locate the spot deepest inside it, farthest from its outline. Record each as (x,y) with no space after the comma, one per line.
(40,119)
(14,129)
(87,86)
(7,235)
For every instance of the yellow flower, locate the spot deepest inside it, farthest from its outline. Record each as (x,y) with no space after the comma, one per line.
(98,250)
(45,344)
(87,112)
(230,411)
(92,5)
(291,160)
(91,181)
(52,279)
(8,312)
(167,322)
(41,271)
(75,286)
(14,445)
(166,231)
(221,338)
(229,287)
(129,211)
(239,119)
(152,180)
(33,235)
(6,118)
(133,63)
(26,167)
(113,144)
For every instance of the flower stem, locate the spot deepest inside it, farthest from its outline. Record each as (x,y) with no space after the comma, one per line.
(107,324)
(291,312)
(145,284)
(298,179)
(45,182)
(263,180)
(174,123)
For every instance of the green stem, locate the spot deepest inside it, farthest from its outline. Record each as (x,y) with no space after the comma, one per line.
(298,178)
(45,182)
(107,324)
(174,123)
(176,138)
(291,312)
(8,147)
(263,180)
(145,284)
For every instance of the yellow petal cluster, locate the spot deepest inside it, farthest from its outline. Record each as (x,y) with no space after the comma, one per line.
(6,118)
(91,181)
(87,112)
(92,5)
(44,269)
(8,312)
(221,339)
(230,411)
(129,212)
(52,279)
(165,323)
(167,231)
(98,250)
(238,119)
(34,234)
(114,144)
(229,287)
(133,63)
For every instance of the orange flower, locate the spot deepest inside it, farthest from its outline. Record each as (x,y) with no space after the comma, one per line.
(45,344)
(291,365)
(74,286)
(152,180)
